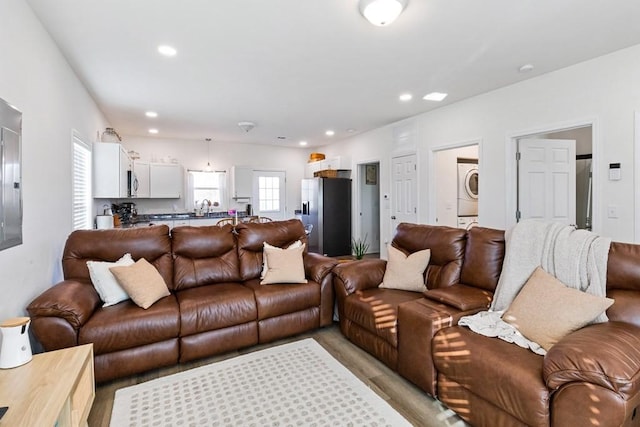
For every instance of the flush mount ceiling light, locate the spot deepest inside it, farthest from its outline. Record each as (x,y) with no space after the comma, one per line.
(435,96)
(246,126)
(382,12)
(167,50)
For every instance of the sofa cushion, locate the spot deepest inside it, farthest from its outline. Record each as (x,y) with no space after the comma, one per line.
(251,237)
(150,243)
(508,376)
(462,297)
(447,250)
(217,306)
(104,281)
(376,310)
(276,300)
(142,282)
(284,266)
(483,258)
(545,310)
(405,271)
(125,325)
(203,256)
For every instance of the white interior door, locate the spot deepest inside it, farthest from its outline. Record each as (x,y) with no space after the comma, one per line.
(404,205)
(269,194)
(547,179)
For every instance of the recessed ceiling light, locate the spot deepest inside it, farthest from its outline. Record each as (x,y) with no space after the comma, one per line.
(167,50)
(303,143)
(151,114)
(525,68)
(329,133)
(406,97)
(153,130)
(435,96)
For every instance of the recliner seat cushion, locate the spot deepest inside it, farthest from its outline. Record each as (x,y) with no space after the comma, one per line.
(217,306)
(278,299)
(376,310)
(125,325)
(508,376)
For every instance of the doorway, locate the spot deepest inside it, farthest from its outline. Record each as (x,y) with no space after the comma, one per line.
(574,172)
(369,205)
(454,190)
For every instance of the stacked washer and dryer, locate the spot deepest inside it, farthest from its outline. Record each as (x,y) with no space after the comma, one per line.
(467,192)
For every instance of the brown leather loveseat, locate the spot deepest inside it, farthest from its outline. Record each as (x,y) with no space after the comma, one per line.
(589,378)
(216,303)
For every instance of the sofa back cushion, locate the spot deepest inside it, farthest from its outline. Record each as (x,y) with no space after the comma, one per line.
(447,250)
(623,282)
(203,256)
(251,237)
(150,243)
(483,258)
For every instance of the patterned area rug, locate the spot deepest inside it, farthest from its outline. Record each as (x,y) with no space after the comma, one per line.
(296,384)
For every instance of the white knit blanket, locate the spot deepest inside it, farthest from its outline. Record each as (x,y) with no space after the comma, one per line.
(578,258)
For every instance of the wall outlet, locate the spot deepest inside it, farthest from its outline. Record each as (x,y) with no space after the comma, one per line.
(612,211)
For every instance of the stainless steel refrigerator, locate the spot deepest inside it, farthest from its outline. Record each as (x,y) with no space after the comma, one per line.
(326,205)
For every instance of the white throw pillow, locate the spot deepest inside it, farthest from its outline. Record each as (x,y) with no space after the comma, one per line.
(105,283)
(406,272)
(285,266)
(265,265)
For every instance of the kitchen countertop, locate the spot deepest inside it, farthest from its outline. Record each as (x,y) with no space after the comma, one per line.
(181,215)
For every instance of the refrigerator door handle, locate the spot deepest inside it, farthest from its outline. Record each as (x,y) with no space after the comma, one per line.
(305,208)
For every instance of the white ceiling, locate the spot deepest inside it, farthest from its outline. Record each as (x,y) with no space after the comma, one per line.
(299,67)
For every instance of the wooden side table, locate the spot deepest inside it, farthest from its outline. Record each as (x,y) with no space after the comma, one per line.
(56,388)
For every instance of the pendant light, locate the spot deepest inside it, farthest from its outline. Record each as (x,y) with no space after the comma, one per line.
(382,12)
(208,168)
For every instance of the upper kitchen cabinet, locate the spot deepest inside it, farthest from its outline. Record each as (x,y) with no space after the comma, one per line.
(165,180)
(111,167)
(331,163)
(241,182)
(141,170)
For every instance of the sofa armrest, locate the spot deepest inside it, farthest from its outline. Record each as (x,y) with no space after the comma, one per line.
(360,275)
(605,354)
(70,300)
(460,296)
(316,266)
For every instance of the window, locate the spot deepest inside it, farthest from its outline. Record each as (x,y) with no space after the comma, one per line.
(82,218)
(209,186)
(270,196)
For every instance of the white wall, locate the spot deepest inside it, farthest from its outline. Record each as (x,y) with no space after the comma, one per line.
(605,90)
(35,78)
(193,155)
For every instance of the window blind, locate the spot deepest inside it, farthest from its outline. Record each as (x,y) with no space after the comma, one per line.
(82,218)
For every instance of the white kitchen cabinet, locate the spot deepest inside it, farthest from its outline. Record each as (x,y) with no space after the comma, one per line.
(241,182)
(165,180)
(331,163)
(111,163)
(141,170)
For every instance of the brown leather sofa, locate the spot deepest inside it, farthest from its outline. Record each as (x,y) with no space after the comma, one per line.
(590,378)
(216,304)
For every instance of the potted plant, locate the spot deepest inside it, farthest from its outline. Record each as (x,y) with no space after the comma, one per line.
(359,246)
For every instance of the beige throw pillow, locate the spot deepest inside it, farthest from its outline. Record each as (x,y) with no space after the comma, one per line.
(284,266)
(105,283)
(406,272)
(546,310)
(142,281)
(265,265)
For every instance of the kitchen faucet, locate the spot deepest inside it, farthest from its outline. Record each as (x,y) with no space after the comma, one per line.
(208,203)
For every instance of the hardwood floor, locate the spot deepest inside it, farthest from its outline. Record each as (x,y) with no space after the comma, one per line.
(411,402)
